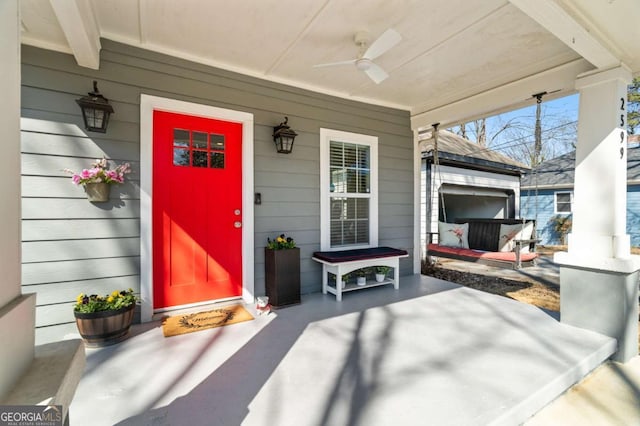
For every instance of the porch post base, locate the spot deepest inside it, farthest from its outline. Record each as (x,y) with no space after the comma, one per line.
(602,301)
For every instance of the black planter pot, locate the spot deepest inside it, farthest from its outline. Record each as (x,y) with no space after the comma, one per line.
(282,276)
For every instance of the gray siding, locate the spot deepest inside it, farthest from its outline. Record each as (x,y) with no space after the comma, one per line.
(70,245)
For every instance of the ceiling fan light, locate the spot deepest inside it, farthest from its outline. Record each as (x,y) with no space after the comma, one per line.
(363,64)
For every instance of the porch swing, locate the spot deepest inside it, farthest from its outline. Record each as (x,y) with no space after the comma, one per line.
(493,242)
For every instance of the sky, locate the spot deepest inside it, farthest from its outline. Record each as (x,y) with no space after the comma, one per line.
(555,113)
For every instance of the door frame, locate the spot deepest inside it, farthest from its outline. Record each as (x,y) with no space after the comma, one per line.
(148,104)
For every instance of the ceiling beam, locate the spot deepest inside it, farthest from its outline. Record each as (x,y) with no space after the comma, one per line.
(558,22)
(78,22)
(558,82)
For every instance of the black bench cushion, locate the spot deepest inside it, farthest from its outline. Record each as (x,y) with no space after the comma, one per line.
(358,254)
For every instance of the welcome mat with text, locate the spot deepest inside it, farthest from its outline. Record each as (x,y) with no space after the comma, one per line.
(188,323)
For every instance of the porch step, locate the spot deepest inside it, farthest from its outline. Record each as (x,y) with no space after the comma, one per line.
(52,377)
(546,394)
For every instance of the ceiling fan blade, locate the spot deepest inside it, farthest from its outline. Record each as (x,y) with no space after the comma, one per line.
(333,64)
(386,41)
(377,74)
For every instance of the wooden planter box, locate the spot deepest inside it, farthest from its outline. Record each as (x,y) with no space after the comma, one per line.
(282,276)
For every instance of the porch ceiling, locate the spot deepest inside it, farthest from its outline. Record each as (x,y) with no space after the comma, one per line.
(457,58)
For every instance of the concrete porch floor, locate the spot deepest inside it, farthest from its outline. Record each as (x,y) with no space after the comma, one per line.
(430,353)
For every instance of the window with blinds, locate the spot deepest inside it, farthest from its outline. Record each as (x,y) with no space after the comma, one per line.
(349,187)
(348,190)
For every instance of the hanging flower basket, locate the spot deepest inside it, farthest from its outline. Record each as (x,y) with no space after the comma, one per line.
(97,192)
(98,179)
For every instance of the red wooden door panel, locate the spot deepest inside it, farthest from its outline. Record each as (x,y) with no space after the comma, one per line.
(197,205)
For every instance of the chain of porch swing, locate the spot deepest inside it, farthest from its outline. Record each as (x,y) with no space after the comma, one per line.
(436,166)
(537,149)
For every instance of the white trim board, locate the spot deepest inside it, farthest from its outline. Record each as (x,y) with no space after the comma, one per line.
(148,104)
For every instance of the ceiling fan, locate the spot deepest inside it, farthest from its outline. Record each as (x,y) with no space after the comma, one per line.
(366,55)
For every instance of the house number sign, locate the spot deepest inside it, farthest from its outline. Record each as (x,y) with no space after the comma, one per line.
(622,125)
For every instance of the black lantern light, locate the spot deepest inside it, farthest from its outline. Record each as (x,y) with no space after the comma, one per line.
(95,110)
(283,137)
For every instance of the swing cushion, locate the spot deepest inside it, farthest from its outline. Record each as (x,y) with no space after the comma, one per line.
(470,254)
(510,233)
(453,234)
(483,238)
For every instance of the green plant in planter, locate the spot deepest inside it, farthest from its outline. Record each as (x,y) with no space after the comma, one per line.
(110,302)
(280,243)
(382,269)
(362,272)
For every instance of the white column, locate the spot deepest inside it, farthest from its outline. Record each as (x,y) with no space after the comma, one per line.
(598,275)
(599,222)
(17,312)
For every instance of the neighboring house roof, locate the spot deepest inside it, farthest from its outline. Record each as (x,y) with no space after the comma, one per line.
(456,150)
(560,171)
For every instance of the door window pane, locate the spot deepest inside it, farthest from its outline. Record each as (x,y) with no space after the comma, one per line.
(199,159)
(180,137)
(216,160)
(217,142)
(199,140)
(180,157)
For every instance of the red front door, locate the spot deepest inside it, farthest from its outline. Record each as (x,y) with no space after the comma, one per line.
(197,209)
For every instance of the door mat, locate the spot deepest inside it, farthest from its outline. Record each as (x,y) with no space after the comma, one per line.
(188,323)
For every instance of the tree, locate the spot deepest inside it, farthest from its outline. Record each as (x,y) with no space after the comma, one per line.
(514,136)
(633,107)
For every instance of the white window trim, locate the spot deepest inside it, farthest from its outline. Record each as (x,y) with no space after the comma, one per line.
(326,136)
(148,104)
(555,202)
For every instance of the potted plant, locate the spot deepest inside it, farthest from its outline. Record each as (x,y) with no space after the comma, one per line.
(345,279)
(361,276)
(104,320)
(381,273)
(98,179)
(282,271)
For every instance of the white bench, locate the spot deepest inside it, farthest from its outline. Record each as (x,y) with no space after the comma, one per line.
(343,262)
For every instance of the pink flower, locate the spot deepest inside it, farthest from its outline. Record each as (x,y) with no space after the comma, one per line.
(100,173)
(115,176)
(458,232)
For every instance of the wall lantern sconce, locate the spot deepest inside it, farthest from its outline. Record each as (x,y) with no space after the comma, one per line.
(283,137)
(95,110)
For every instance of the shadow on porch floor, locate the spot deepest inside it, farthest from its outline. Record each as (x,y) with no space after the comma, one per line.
(430,353)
